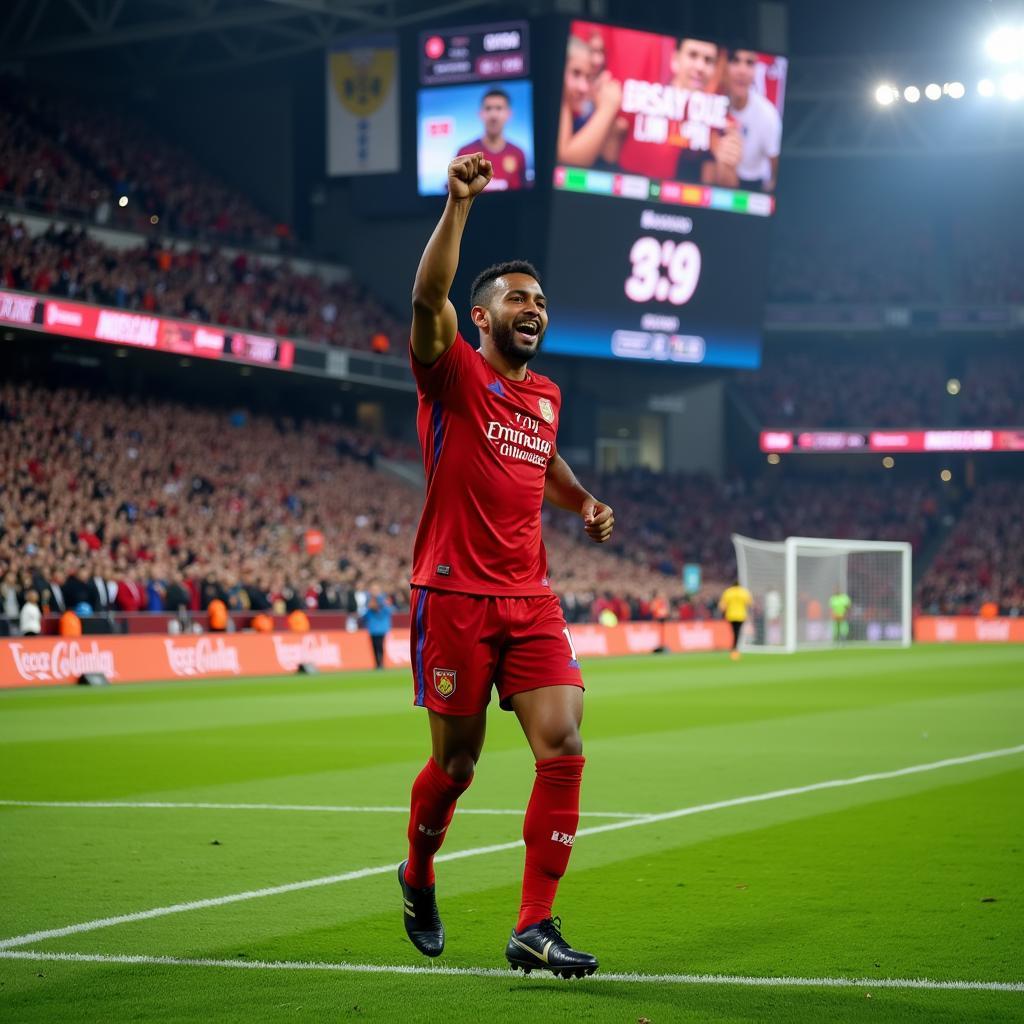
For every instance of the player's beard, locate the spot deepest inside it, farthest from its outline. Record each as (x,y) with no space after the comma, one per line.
(504,336)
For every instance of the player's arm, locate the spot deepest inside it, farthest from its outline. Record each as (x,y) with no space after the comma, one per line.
(434,323)
(564,491)
(583,148)
(726,152)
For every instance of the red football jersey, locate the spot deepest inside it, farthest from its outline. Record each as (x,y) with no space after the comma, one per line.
(486,442)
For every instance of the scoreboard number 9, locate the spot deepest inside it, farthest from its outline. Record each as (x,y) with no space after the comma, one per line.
(664,271)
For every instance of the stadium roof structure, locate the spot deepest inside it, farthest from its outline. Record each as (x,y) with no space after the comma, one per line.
(829,110)
(165,38)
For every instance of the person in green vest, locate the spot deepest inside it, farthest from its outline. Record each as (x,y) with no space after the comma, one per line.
(839,604)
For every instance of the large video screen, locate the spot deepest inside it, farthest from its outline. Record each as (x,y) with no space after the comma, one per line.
(475,96)
(666,161)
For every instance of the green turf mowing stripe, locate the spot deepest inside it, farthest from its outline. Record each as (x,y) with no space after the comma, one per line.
(106,922)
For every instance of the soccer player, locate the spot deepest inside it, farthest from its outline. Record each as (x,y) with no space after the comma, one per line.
(735,603)
(839,605)
(507,159)
(483,613)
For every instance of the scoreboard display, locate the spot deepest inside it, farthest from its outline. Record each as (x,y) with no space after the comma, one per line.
(476,54)
(475,96)
(666,162)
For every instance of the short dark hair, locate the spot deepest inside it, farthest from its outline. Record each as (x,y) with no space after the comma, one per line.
(480,293)
(500,93)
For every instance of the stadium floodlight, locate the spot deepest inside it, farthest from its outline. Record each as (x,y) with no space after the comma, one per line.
(953,386)
(933,90)
(793,580)
(911,94)
(1012,86)
(986,88)
(945,476)
(123,201)
(1006,44)
(886,94)
(888,462)
(956,90)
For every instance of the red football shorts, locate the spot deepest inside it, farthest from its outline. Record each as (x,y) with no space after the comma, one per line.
(463,644)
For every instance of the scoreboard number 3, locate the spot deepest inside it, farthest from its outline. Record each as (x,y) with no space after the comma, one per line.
(663,271)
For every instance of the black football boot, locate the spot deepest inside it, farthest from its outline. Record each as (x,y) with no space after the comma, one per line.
(542,947)
(422,921)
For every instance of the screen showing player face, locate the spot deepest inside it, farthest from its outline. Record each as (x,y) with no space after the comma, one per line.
(664,112)
(475,97)
(667,159)
(495,119)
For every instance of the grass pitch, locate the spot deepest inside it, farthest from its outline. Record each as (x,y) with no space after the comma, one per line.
(892,876)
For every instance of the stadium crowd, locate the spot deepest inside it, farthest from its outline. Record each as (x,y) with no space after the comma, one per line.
(853,257)
(131,506)
(210,286)
(134,506)
(882,389)
(65,155)
(981,561)
(854,260)
(171,506)
(695,516)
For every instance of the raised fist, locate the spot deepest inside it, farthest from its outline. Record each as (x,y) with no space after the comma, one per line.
(469,175)
(607,92)
(729,150)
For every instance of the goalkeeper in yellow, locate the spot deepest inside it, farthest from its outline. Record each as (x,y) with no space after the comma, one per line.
(735,604)
(839,605)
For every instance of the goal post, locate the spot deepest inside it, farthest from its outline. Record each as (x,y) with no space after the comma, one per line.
(793,581)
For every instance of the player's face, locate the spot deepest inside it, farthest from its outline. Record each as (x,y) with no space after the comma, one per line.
(494,113)
(519,317)
(577,82)
(693,64)
(742,66)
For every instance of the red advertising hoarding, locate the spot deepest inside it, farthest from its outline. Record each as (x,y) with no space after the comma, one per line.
(987,439)
(143,330)
(52,661)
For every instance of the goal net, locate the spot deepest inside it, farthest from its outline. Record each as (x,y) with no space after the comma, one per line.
(799,585)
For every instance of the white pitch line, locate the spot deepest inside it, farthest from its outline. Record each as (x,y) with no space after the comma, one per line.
(159,805)
(479,851)
(493,972)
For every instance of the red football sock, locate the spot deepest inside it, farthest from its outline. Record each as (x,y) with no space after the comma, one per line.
(434,794)
(549,831)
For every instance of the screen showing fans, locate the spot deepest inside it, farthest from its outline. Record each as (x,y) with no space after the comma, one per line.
(666,162)
(475,97)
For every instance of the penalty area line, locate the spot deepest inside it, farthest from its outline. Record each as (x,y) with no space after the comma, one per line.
(479,851)
(493,972)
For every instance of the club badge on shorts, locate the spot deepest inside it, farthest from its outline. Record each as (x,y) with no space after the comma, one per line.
(508,164)
(444,682)
(546,410)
